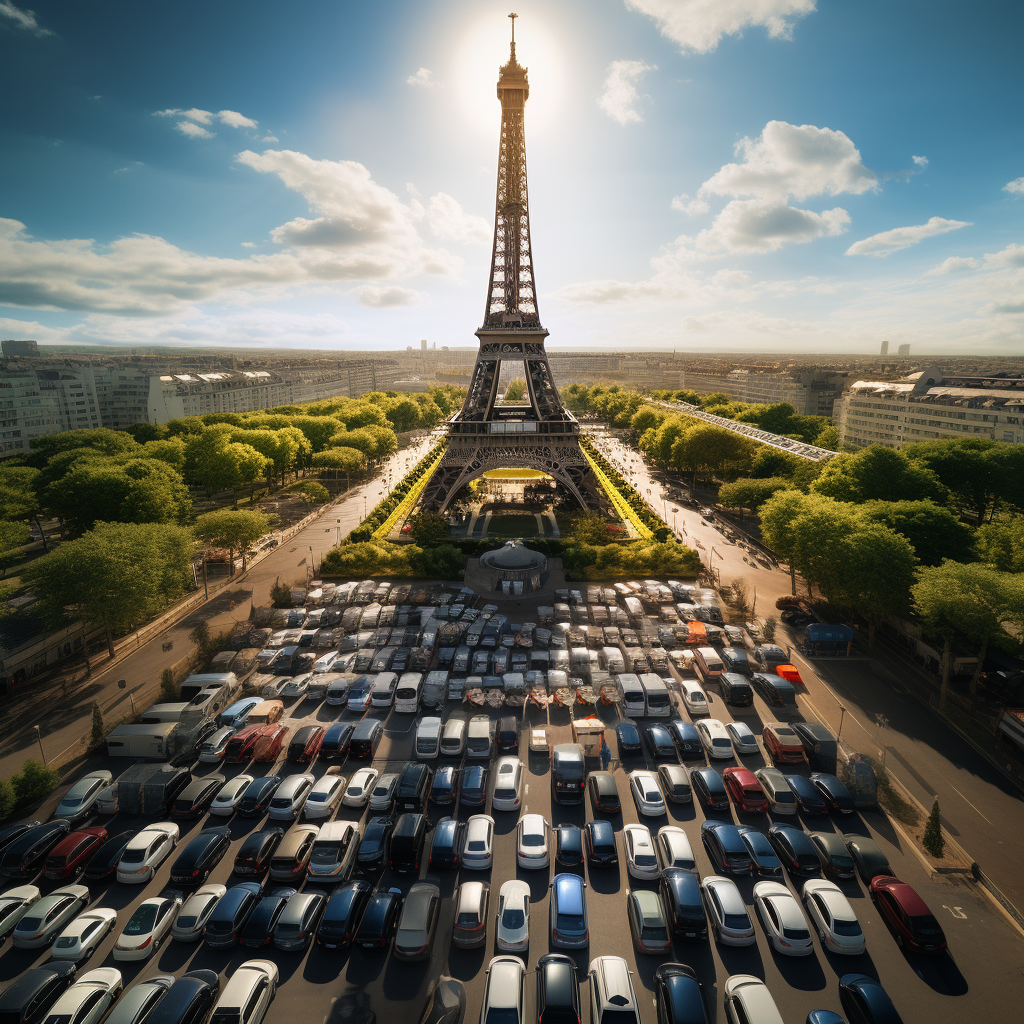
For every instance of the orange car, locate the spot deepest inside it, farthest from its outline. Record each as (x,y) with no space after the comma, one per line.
(789,672)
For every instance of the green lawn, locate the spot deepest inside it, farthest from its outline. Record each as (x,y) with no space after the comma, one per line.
(512,525)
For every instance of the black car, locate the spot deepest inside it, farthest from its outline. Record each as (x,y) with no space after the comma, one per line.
(413,787)
(864,1001)
(808,800)
(256,799)
(558,989)
(687,740)
(230,915)
(659,742)
(836,796)
(599,841)
(195,799)
(766,864)
(14,832)
(375,845)
(258,930)
(603,793)
(867,856)
(568,773)
(736,690)
(28,1000)
(709,789)
(568,845)
(446,844)
(366,737)
(189,754)
(199,858)
(507,735)
(627,735)
(254,855)
(795,850)
(336,741)
(678,995)
(407,842)
(103,864)
(445,786)
(726,848)
(25,857)
(474,786)
(188,1001)
(680,897)
(379,920)
(343,914)
(302,743)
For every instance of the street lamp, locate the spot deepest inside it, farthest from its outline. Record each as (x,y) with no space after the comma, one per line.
(39,738)
(842,715)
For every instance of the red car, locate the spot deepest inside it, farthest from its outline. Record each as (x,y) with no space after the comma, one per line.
(269,743)
(908,915)
(782,743)
(69,857)
(240,746)
(744,790)
(305,744)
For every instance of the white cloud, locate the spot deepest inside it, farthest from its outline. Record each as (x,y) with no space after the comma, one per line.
(1015,187)
(22,18)
(129,167)
(954,265)
(761,225)
(449,222)
(384,298)
(235,119)
(195,114)
(248,245)
(1011,256)
(693,207)
(423,79)
(793,160)
(886,242)
(193,130)
(750,320)
(620,98)
(699,25)
(270,138)
(920,161)
(601,292)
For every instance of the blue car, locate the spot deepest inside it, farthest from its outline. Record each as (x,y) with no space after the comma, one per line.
(685,737)
(236,714)
(627,735)
(766,864)
(231,914)
(569,926)
(808,799)
(865,1001)
(795,850)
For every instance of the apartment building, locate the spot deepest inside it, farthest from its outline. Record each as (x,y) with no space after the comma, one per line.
(929,406)
(46,401)
(811,392)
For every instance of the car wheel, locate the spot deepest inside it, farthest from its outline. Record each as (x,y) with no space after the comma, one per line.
(156,947)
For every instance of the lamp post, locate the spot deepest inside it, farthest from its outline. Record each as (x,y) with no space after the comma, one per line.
(842,715)
(39,739)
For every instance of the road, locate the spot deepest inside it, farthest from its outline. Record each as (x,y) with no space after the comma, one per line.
(981,809)
(71,718)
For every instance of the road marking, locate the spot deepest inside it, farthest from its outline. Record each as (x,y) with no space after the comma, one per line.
(957,912)
(966,801)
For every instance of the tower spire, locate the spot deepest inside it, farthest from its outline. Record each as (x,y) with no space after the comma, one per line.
(512,18)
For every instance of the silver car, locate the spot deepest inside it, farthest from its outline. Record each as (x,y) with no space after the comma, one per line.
(89,999)
(79,801)
(503,990)
(726,912)
(138,1002)
(195,912)
(48,917)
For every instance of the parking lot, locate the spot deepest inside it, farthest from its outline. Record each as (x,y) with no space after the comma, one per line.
(979,978)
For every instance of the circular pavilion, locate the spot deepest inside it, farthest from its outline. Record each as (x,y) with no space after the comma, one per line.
(513,564)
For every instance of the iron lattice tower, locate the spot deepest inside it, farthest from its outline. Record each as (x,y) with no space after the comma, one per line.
(542,434)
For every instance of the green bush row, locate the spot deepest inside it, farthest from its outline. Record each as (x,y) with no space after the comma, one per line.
(35,782)
(647,516)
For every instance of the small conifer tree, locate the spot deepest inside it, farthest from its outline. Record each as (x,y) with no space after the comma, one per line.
(933,841)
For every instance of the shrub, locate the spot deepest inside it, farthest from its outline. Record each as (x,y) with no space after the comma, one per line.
(168,688)
(769,629)
(35,782)
(8,799)
(97,726)
(281,594)
(933,840)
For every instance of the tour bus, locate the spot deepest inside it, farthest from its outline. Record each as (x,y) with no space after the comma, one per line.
(382,694)
(631,692)
(656,695)
(407,696)
(709,664)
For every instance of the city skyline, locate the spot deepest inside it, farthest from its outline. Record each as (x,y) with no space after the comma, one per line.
(779,176)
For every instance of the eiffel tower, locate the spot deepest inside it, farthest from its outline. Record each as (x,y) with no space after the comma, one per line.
(542,435)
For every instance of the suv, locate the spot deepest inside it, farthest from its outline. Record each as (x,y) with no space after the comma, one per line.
(407,843)
(568,913)
(604,794)
(782,744)
(507,737)
(568,773)
(612,998)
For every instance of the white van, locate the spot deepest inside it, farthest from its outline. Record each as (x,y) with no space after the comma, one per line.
(631,693)
(140,740)
(478,737)
(407,696)
(611,659)
(709,664)
(453,738)
(694,697)
(659,702)
(248,993)
(158,713)
(382,693)
(428,738)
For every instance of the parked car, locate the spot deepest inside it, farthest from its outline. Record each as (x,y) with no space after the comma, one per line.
(417,922)
(258,930)
(748,1001)
(336,740)
(836,861)
(612,999)
(659,742)
(290,797)
(603,793)
(226,802)
(678,995)
(726,848)
(743,739)
(14,904)
(80,938)
(477,852)
(833,917)
(80,800)
(503,990)
(864,1001)
(359,787)
(675,782)
(195,799)
(473,786)
(627,737)
(684,907)
(203,852)
(647,922)
(744,790)
(248,993)
(599,843)
(103,864)
(508,784)
(68,859)
(762,855)
(146,929)
(380,919)
(795,850)
(568,845)
(782,920)
(673,849)
(334,851)
(513,917)
(231,914)
(781,799)
(89,999)
(568,773)
(808,800)
(686,739)
(407,842)
(782,744)
(568,924)
(446,843)
(195,912)
(558,989)
(868,858)
(298,922)
(709,789)
(726,912)
(836,796)
(136,1005)
(907,915)
(641,860)
(646,793)
(189,1000)
(532,841)
(342,914)
(291,857)
(254,855)
(375,845)
(471,902)
(146,852)
(25,855)
(258,795)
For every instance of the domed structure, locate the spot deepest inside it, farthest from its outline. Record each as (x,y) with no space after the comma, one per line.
(514,564)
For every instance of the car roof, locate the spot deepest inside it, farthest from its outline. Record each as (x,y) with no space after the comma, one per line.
(569,892)
(908,899)
(601,829)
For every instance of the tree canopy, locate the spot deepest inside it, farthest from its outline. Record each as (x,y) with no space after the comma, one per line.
(232,529)
(879,473)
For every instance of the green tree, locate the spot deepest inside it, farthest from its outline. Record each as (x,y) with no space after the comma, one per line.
(12,535)
(169,690)
(1000,544)
(18,497)
(429,529)
(777,516)
(340,460)
(113,576)
(768,629)
(768,462)
(281,594)
(969,467)
(318,430)
(646,417)
(828,438)
(169,449)
(516,390)
(314,493)
(101,441)
(588,528)
(35,782)
(98,731)
(935,532)
(440,562)
(749,493)
(933,840)
(8,799)
(233,530)
(878,473)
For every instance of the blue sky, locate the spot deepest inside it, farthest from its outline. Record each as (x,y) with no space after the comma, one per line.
(725,175)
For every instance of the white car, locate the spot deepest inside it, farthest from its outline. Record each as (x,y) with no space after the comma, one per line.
(324,797)
(478,848)
(513,928)
(212,749)
(78,802)
(89,999)
(325,663)
(248,993)
(296,686)
(833,917)
(47,917)
(674,850)
(538,741)
(360,786)
(382,798)
(80,939)
(782,919)
(273,690)
(13,906)
(641,860)
(532,841)
(727,915)
(748,1001)
(290,796)
(453,738)
(646,793)
(195,912)
(714,738)
(508,784)
(138,1002)
(146,852)
(781,799)
(225,803)
(147,928)
(503,990)
(743,739)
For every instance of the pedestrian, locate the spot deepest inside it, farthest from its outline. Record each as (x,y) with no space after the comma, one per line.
(606,755)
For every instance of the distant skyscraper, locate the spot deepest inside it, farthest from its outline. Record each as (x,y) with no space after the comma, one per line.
(423,345)
(903,350)
(885,349)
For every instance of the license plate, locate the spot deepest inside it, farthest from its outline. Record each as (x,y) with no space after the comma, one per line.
(691,935)
(369,945)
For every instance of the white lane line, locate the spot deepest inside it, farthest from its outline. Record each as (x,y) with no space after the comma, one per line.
(966,801)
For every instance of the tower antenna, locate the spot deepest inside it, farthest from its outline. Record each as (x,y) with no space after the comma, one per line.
(512,18)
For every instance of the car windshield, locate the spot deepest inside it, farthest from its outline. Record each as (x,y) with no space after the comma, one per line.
(645,860)
(569,923)
(925,927)
(502,1015)
(71,801)
(325,853)
(226,1017)
(141,921)
(513,918)
(287,928)
(476,845)
(797,934)
(188,921)
(66,941)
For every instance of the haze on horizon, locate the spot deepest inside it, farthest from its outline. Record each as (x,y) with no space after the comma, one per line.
(760,175)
